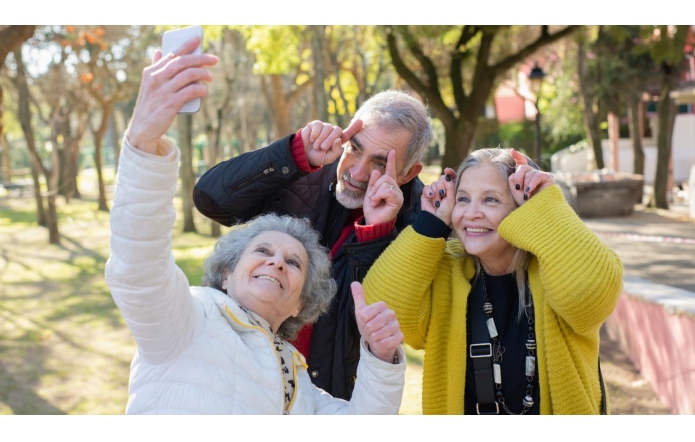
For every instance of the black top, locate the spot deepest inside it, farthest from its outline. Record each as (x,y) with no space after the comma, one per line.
(503,295)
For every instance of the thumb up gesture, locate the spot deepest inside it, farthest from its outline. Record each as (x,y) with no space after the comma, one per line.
(378,325)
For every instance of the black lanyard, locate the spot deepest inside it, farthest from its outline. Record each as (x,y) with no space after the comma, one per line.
(480,352)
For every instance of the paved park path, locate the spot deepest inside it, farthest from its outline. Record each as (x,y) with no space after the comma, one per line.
(658,246)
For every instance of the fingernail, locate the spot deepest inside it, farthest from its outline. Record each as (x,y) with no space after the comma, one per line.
(525,197)
(528,188)
(436,204)
(431,194)
(518,187)
(441,192)
(447,177)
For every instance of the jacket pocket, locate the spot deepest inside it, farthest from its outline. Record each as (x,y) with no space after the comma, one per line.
(267,171)
(351,372)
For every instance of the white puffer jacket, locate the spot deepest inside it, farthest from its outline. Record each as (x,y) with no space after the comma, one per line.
(197,352)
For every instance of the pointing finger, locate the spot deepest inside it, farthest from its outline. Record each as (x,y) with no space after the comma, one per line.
(351,130)
(391,164)
(518,157)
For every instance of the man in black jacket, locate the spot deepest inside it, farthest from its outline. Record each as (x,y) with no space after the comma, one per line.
(348,192)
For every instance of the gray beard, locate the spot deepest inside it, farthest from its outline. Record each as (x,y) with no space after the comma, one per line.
(348,198)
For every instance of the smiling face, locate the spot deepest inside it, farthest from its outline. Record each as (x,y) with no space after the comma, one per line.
(269,277)
(483,200)
(364,153)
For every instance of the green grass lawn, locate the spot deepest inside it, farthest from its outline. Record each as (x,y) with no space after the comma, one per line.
(64,347)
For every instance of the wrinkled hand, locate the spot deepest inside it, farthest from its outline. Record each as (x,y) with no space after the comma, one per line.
(383,198)
(378,325)
(169,82)
(439,198)
(323,141)
(527,181)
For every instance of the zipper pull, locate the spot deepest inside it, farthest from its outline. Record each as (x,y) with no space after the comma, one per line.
(268,170)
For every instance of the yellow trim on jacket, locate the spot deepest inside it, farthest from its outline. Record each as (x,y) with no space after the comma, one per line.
(277,358)
(575,282)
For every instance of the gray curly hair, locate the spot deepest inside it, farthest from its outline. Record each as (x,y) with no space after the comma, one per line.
(503,161)
(319,288)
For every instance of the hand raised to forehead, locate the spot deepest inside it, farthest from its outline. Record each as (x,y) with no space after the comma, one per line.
(383,198)
(527,181)
(439,197)
(323,141)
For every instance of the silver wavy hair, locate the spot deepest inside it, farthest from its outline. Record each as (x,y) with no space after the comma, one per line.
(395,109)
(319,288)
(502,160)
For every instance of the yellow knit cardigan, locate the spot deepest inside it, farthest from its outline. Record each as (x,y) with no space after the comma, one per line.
(575,282)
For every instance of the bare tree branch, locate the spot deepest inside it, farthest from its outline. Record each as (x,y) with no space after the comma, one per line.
(544,39)
(426,63)
(433,96)
(467,33)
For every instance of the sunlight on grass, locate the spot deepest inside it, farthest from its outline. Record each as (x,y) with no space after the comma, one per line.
(64,346)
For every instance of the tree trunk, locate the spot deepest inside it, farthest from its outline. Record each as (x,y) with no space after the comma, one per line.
(72,149)
(106,111)
(666,113)
(24,111)
(41,217)
(633,113)
(591,123)
(458,138)
(320,99)
(5,169)
(215,155)
(280,106)
(185,127)
(52,181)
(116,134)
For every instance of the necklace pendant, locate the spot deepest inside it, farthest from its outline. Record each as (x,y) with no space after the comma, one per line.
(531,344)
(487,308)
(497,373)
(491,328)
(528,401)
(530,366)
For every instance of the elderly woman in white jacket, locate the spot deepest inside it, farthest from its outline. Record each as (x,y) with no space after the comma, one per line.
(222,348)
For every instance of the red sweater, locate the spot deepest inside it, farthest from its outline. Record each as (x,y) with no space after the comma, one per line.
(363,233)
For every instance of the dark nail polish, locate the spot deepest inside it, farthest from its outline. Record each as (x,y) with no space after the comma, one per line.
(518,187)
(447,177)
(525,197)
(431,194)
(527,189)
(441,192)
(436,204)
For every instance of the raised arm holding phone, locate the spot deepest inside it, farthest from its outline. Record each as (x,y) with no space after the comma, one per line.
(223,348)
(508,312)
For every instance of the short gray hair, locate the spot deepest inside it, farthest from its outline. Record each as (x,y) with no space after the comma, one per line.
(319,288)
(503,161)
(395,109)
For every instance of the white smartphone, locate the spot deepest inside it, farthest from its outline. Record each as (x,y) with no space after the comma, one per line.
(172,41)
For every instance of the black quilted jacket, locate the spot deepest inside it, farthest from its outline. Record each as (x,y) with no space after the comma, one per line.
(268,180)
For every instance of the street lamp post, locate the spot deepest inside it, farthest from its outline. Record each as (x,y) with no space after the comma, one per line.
(536,80)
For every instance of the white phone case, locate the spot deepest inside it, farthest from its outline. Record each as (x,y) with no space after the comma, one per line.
(173,40)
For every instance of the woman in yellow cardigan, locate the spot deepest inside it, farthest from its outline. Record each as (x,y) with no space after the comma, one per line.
(509,313)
